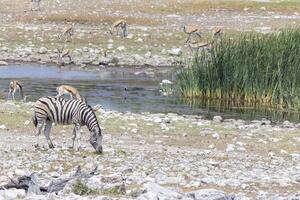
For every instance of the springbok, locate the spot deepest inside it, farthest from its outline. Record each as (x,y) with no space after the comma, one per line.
(117,25)
(72,91)
(191,30)
(35,5)
(15,85)
(217,32)
(62,55)
(67,33)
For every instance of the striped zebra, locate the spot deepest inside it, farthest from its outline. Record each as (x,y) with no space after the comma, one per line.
(66,111)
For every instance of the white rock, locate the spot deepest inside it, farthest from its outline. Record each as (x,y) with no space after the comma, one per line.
(216,136)
(175,52)
(121,48)
(20,172)
(148,54)
(230,148)
(209,194)
(217,119)
(3,63)
(3,127)
(42,50)
(155,191)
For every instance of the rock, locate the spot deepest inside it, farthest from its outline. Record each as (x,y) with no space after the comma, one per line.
(3,127)
(217,119)
(3,63)
(155,191)
(210,194)
(216,136)
(42,50)
(110,46)
(230,148)
(287,124)
(175,52)
(121,48)
(104,61)
(148,54)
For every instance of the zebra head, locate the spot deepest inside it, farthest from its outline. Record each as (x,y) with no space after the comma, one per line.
(96,139)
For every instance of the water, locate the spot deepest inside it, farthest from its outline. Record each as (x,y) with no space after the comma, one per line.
(106,87)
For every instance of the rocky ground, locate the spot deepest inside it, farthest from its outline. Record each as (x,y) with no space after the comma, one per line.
(155,34)
(156,156)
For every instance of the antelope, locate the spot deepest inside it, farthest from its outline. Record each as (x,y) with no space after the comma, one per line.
(117,25)
(191,30)
(217,32)
(36,4)
(72,91)
(62,55)
(15,85)
(68,33)
(103,52)
(195,47)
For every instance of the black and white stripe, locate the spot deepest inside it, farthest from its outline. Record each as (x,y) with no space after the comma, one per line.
(48,110)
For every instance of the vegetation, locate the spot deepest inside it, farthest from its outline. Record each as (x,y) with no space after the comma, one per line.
(80,188)
(250,69)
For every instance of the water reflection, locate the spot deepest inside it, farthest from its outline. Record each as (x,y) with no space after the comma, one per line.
(107,87)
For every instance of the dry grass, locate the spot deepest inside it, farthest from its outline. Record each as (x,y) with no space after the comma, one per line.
(93,11)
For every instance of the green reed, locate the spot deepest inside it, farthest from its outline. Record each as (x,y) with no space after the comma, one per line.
(252,68)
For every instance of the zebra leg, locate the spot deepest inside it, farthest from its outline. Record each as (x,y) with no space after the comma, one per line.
(47,133)
(38,131)
(77,137)
(73,137)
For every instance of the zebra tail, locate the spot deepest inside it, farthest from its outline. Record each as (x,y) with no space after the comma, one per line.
(34,119)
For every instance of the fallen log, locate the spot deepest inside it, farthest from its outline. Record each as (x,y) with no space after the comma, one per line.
(30,183)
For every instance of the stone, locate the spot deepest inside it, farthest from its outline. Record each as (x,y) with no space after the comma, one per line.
(155,191)
(210,194)
(42,50)
(175,52)
(121,48)
(230,148)
(3,63)
(148,54)
(3,127)
(217,119)
(216,136)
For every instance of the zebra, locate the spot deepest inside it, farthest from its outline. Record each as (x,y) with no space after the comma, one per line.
(48,110)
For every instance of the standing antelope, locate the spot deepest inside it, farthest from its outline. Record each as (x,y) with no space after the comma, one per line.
(15,85)
(62,55)
(35,5)
(191,30)
(217,32)
(68,33)
(72,91)
(48,110)
(103,52)
(117,25)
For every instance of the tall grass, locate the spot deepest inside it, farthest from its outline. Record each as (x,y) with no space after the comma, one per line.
(252,68)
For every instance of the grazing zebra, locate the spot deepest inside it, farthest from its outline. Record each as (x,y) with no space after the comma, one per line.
(66,111)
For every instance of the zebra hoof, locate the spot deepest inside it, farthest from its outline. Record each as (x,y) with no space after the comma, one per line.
(51,146)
